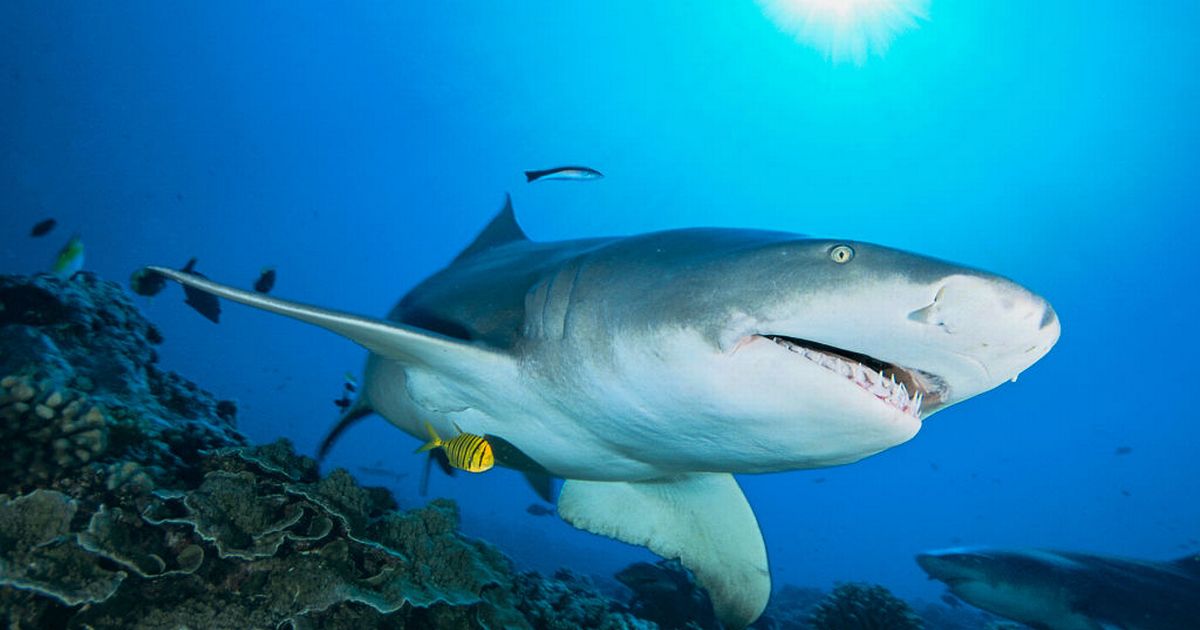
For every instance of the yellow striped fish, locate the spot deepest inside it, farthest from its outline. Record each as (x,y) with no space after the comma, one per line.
(466,451)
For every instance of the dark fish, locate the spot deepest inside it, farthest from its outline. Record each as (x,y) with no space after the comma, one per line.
(42,228)
(349,386)
(1123,450)
(148,283)
(537,509)
(266,280)
(204,303)
(578,173)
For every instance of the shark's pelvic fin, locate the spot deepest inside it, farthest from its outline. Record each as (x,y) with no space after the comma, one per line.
(539,479)
(409,345)
(701,518)
(542,484)
(501,230)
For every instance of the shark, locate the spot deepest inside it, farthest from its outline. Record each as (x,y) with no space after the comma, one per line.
(646,371)
(1064,590)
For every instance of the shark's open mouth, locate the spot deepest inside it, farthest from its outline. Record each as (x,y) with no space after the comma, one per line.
(906,389)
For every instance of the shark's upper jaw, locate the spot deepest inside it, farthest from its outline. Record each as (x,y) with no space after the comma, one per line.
(918,347)
(952,567)
(908,390)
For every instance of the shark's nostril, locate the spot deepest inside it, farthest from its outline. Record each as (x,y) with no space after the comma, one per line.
(929,314)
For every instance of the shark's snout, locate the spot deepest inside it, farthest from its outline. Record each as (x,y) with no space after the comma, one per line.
(929,564)
(1000,325)
(1049,317)
(949,566)
(963,301)
(974,331)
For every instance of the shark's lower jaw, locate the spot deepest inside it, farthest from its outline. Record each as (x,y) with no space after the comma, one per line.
(904,389)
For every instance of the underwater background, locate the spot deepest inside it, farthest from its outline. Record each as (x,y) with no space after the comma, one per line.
(358,148)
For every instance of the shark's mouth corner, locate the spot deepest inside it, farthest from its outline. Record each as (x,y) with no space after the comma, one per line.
(909,390)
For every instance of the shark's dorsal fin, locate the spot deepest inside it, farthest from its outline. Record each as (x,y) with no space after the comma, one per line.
(503,229)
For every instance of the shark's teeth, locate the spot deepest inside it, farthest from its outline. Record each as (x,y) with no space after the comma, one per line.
(884,387)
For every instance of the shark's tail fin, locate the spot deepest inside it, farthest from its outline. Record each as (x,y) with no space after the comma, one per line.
(359,410)
(434,440)
(443,462)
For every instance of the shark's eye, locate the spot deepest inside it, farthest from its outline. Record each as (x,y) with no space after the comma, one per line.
(841,254)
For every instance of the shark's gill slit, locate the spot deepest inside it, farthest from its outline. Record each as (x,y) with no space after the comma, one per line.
(903,388)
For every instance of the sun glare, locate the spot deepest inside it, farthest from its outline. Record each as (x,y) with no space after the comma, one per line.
(847,29)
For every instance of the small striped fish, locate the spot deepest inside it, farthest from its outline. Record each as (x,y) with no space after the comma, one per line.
(466,451)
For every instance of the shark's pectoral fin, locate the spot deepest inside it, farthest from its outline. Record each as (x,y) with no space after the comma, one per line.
(409,345)
(701,518)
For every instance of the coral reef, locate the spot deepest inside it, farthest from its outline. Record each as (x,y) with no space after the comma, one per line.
(790,608)
(128,499)
(570,601)
(667,593)
(79,386)
(853,606)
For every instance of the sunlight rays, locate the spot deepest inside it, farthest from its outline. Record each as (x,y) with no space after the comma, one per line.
(846,30)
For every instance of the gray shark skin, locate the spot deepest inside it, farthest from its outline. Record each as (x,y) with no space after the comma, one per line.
(646,370)
(1062,590)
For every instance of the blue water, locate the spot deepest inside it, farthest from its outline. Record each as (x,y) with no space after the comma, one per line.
(358,148)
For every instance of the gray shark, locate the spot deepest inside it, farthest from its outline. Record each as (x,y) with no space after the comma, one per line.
(647,370)
(1062,590)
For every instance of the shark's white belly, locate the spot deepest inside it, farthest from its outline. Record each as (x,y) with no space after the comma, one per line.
(632,418)
(558,441)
